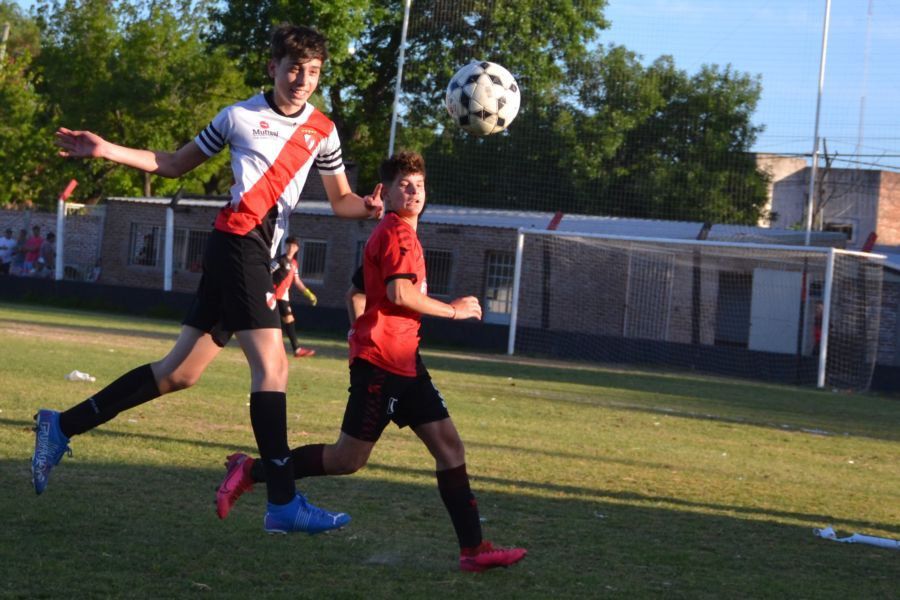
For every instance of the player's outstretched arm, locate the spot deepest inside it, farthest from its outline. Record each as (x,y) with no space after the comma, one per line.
(86,144)
(345,203)
(405,293)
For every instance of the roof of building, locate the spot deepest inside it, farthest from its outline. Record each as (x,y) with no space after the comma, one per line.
(516,219)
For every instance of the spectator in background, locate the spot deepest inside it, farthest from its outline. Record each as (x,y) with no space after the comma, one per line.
(32,250)
(7,245)
(18,254)
(147,253)
(46,262)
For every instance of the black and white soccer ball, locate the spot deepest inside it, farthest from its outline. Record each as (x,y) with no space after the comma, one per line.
(483,98)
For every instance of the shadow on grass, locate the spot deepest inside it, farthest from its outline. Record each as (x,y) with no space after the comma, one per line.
(141,531)
(542,488)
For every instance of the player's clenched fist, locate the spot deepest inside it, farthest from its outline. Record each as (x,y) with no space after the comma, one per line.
(466,308)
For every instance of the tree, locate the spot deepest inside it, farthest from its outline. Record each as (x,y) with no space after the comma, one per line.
(138,74)
(23,142)
(358,88)
(684,152)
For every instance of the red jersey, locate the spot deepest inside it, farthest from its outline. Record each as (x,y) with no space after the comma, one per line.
(385,334)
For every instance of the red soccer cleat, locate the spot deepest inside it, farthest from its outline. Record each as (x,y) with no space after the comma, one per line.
(237,481)
(485,556)
(304,352)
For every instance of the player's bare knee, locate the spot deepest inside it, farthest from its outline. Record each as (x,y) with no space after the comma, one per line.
(347,464)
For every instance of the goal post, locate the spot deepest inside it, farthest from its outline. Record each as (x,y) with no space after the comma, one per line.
(789,314)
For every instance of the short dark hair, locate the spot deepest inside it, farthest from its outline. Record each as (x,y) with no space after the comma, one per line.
(291,240)
(402,163)
(51,236)
(298,42)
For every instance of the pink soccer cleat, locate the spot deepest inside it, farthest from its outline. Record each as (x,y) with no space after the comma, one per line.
(485,556)
(237,481)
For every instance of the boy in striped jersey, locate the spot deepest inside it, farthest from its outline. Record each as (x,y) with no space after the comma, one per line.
(275,139)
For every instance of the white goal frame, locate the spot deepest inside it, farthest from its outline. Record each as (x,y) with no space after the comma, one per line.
(829,252)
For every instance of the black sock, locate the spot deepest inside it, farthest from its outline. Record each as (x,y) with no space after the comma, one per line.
(453,484)
(131,389)
(288,328)
(307,462)
(268,416)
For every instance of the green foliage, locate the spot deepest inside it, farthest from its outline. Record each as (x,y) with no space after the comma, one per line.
(139,75)
(599,131)
(24,141)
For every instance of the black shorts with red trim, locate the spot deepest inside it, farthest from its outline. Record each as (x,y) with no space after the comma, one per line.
(378,397)
(236,291)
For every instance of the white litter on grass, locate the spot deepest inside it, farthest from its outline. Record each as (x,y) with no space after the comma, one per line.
(857,538)
(77,375)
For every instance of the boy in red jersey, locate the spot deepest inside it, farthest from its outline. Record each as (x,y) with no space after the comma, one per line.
(285,275)
(388,381)
(275,139)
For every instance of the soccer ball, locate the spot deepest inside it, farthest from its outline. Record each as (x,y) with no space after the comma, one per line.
(483,98)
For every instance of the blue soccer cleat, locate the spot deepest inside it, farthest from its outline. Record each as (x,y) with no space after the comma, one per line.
(49,446)
(300,515)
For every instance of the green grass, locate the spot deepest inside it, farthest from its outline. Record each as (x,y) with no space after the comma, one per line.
(620,483)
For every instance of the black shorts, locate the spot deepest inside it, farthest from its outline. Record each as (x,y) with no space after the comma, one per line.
(378,397)
(284,308)
(236,291)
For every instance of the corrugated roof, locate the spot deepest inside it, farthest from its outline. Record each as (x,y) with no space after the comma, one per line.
(513,219)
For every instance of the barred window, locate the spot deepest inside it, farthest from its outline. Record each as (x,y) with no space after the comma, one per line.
(438,267)
(144,245)
(188,249)
(312,260)
(498,286)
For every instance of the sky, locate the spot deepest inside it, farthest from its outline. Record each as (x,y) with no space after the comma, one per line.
(781,41)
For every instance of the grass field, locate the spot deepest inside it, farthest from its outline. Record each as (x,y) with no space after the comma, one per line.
(620,483)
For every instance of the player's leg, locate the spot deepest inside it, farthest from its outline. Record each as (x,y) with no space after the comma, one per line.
(181,367)
(370,391)
(288,327)
(287,511)
(433,425)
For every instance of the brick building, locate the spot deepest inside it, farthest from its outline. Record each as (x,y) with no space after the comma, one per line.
(855,202)
(472,251)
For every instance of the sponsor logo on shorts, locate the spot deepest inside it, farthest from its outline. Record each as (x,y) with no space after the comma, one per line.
(270,300)
(391,403)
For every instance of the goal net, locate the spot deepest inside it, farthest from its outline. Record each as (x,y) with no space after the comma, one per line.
(788,314)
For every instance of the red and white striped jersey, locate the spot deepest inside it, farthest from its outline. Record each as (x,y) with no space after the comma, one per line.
(271,156)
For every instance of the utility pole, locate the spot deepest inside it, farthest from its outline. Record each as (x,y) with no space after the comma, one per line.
(810,202)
